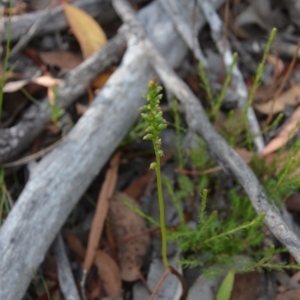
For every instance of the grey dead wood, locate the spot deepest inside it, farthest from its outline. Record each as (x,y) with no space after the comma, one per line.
(185,27)
(54,19)
(15,139)
(199,123)
(293,7)
(217,30)
(285,49)
(65,276)
(33,31)
(61,178)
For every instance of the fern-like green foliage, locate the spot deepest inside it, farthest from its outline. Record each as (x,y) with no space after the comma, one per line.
(279,174)
(221,235)
(219,239)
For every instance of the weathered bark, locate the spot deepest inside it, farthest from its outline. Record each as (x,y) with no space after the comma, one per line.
(54,19)
(65,276)
(293,7)
(217,28)
(15,139)
(62,176)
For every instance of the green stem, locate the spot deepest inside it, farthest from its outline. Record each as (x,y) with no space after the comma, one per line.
(161,208)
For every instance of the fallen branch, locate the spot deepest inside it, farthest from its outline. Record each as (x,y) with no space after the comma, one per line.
(187,30)
(185,27)
(217,29)
(15,139)
(33,31)
(60,179)
(54,19)
(65,276)
(198,122)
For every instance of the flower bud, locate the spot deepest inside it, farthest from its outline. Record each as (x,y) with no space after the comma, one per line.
(148,136)
(153,165)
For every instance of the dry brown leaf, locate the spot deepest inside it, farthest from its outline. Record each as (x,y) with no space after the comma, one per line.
(277,63)
(101,211)
(244,154)
(14,86)
(100,81)
(87,31)
(46,81)
(137,188)
(75,244)
(292,203)
(51,96)
(290,97)
(296,276)
(107,268)
(129,230)
(289,295)
(65,60)
(247,286)
(109,274)
(81,108)
(284,135)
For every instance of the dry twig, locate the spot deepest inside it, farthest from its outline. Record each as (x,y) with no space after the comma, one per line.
(33,31)
(107,190)
(65,276)
(184,27)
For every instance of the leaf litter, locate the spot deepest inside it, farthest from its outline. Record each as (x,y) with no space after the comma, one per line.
(120,256)
(106,193)
(130,234)
(89,35)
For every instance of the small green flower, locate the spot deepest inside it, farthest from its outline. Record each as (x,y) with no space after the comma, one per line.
(155,124)
(152,114)
(153,165)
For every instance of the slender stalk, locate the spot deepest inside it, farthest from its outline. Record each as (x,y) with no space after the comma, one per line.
(260,70)
(161,208)
(155,124)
